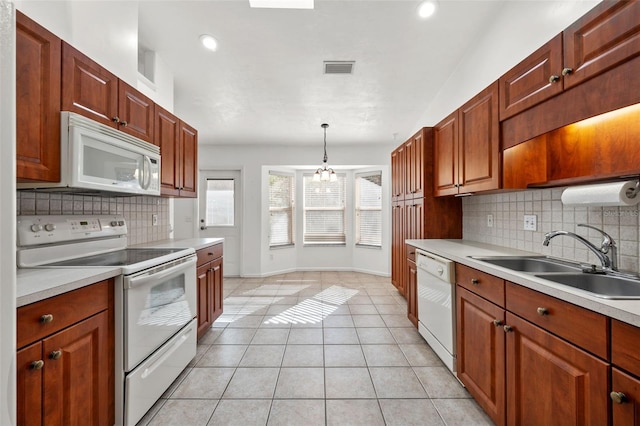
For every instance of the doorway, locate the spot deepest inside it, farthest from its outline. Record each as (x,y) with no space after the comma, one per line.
(221,214)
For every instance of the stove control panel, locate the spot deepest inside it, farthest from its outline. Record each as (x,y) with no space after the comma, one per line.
(39,230)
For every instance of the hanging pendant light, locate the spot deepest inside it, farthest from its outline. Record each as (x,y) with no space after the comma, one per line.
(325,173)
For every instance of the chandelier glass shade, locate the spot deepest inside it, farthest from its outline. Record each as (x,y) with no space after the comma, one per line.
(325,173)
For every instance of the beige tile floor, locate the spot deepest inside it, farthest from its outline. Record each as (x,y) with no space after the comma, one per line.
(314,348)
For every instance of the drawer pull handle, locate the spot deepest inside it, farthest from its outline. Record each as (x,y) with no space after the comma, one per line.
(56,354)
(618,397)
(497,323)
(507,328)
(554,78)
(475,281)
(46,318)
(210,254)
(542,311)
(37,365)
(567,71)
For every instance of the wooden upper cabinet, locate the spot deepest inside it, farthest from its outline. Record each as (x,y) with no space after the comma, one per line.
(88,88)
(467,147)
(189,155)
(38,55)
(445,156)
(398,176)
(414,166)
(533,80)
(605,37)
(178,144)
(136,112)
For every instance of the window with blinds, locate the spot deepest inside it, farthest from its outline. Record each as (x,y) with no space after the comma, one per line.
(324,211)
(281,197)
(369,209)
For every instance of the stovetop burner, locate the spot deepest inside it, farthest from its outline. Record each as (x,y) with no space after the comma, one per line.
(124,257)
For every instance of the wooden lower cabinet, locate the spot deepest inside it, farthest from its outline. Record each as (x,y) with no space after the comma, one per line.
(68,377)
(481,352)
(209,289)
(521,373)
(549,379)
(625,394)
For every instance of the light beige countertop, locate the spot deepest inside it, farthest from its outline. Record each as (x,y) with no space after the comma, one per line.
(38,284)
(460,251)
(196,243)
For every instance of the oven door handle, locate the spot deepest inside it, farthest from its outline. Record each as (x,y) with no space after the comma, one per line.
(148,371)
(147,277)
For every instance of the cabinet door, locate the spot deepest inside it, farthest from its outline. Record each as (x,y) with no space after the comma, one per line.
(397,174)
(411,292)
(626,409)
(29,385)
(445,156)
(167,137)
(397,243)
(479,140)
(79,374)
(480,361)
(533,80)
(415,219)
(605,37)
(38,56)
(218,293)
(87,88)
(549,379)
(189,156)
(205,298)
(136,112)
(414,152)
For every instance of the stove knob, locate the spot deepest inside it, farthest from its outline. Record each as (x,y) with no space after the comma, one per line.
(36,228)
(121,223)
(114,223)
(49,227)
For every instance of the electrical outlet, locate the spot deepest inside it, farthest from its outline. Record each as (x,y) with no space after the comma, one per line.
(154,219)
(530,222)
(490,221)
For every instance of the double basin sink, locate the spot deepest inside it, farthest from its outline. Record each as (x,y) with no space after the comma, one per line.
(607,286)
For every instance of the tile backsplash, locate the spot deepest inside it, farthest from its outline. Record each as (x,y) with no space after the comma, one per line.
(137,211)
(508,210)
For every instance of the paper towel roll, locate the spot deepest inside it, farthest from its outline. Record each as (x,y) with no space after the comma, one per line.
(606,194)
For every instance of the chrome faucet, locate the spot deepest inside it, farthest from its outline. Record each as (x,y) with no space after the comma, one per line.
(608,246)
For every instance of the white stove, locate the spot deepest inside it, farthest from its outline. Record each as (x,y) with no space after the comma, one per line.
(155,299)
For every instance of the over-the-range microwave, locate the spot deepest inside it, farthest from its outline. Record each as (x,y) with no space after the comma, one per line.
(98,158)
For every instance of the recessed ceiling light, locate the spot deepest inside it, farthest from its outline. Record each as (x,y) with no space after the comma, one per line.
(427,8)
(209,42)
(282,4)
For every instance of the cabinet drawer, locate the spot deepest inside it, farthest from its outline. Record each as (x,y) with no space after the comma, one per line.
(580,326)
(485,285)
(625,346)
(411,253)
(208,254)
(64,310)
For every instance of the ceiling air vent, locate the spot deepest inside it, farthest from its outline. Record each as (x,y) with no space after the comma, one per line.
(338,67)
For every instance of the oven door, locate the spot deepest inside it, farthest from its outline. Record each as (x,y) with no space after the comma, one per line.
(158,302)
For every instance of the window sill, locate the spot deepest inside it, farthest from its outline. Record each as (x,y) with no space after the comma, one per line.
(368,247)
(324,244)
(282,246)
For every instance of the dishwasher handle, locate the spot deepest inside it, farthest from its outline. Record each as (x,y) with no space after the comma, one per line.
(439,267)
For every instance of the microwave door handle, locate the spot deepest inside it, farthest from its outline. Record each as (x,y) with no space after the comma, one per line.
(146,182)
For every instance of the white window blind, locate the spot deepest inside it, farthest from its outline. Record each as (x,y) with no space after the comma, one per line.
(369,209)
(324,211)
(281,197)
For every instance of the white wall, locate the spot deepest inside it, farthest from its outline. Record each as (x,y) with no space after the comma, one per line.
(520,28)
(255,161)
(7,216)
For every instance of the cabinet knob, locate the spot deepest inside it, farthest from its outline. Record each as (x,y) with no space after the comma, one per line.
(37,365)
(567,71)
(123,123)
(55,354)
(618,397)
(542,311)
(475,281)
(116,119)
(554,78)
(497,323)
(507,328)
(46,318)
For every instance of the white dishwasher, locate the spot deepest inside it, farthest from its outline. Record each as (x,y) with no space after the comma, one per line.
(437,305)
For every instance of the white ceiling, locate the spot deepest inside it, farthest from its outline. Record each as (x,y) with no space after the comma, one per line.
(265,83)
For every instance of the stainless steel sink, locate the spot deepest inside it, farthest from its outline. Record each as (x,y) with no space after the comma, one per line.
(531,264)
(605,286)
